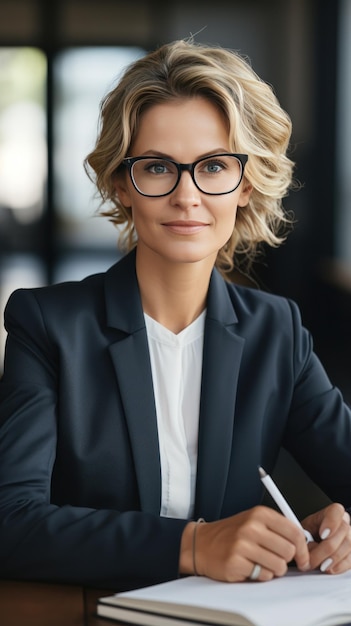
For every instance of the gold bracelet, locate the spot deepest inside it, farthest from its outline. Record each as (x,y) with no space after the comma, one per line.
(199,521)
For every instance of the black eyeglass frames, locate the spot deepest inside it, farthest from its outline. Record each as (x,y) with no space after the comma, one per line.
(214,175)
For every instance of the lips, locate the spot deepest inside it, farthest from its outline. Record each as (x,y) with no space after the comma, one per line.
(185,227)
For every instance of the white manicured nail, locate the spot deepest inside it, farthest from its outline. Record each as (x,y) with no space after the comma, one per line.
(326,564)
(325,533)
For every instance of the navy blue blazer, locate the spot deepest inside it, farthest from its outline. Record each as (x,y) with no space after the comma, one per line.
(80,482)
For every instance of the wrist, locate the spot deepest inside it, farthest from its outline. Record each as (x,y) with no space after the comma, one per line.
(198,522)
(186,550)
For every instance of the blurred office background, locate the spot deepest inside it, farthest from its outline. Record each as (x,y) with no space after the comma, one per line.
(59,57)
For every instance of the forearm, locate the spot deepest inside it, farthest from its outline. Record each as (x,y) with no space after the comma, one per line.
(86,546)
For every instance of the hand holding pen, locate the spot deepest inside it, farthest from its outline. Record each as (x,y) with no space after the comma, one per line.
(257,544)
(289,514)
(281,502)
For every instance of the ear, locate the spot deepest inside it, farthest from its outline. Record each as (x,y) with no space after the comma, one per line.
(122,190)
(245,193)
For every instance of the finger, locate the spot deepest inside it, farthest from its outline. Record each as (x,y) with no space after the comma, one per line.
(342,566)
(242,569)
(261,575)
(346,517)
(287,540)
(274,563)
(247,555)
(287,530)
(331,551)
(340,559)
(280,547)
(281,540)
(333,516)
(295,547)
(334,566)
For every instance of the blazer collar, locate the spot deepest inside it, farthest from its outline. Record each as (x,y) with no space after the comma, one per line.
(123,304)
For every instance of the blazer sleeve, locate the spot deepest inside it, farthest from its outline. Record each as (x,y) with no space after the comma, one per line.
(38,539)
(318,432)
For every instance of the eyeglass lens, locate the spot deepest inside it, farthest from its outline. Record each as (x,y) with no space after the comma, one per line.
(214,175)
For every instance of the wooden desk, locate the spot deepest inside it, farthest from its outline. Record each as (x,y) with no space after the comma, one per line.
(41,604)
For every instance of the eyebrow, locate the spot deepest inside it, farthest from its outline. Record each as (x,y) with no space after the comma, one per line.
(157,153)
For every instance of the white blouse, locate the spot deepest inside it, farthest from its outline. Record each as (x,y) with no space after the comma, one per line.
(176,363)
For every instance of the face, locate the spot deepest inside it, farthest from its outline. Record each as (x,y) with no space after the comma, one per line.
(186,226)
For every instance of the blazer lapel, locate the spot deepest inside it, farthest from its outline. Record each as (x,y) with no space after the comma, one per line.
(130,356)
(221,361)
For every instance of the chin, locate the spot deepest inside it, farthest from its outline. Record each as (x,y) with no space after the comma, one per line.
(194,257)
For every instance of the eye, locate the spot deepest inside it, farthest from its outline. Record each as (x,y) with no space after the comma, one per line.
(213,166)
(157,167)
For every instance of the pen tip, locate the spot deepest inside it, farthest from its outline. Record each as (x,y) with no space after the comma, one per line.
(262,472)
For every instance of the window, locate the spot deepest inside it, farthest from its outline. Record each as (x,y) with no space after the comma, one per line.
(23,168)
(82,77)
(22,132)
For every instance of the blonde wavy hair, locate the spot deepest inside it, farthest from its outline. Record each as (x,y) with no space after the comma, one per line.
(257,126)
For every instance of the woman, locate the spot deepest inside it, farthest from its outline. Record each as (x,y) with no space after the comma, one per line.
(137,403)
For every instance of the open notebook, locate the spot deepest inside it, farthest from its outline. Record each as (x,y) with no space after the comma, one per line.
(312,599)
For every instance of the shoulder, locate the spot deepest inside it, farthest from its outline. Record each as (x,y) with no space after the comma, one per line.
(66,306)
(265,318)
(249,302)
(272,324)
(48,314)
(69,295)
(60,297)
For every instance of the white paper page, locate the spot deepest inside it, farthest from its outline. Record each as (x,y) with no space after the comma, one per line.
(296,599)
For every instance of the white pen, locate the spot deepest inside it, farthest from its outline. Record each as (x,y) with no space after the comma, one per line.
(281,502)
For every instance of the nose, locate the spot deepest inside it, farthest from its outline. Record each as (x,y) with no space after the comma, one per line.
(186,193)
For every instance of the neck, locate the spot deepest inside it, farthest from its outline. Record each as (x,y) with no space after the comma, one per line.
(174,294)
